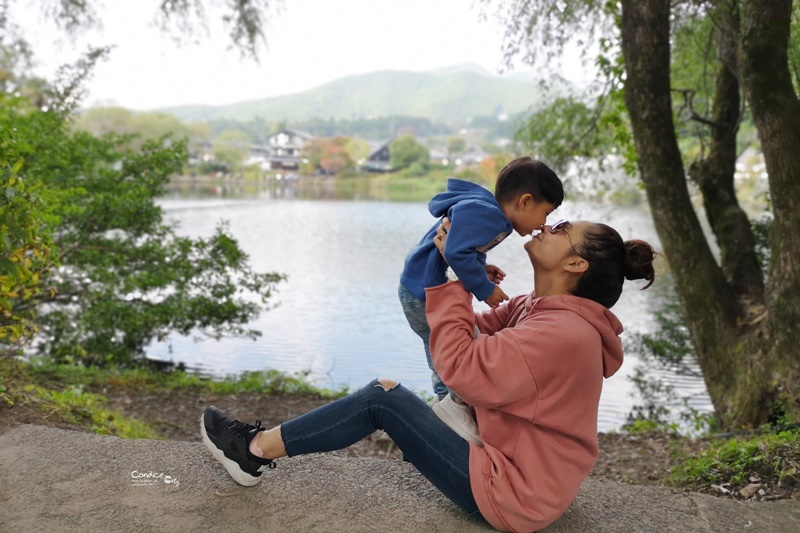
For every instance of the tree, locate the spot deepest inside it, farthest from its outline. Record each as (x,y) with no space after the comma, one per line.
(145,126)
(455,145)
(244,20)
(332,155)
(87,205)
(743,322)
(25,248)
(232,147)
(405,151)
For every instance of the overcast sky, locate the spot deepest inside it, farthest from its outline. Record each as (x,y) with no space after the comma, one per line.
(309,43)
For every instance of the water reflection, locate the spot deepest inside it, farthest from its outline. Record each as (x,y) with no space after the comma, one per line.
(301,187)
(338,314)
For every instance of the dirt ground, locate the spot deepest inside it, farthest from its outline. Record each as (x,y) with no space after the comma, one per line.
(641,459)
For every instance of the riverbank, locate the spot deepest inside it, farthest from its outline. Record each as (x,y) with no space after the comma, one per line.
(157,405)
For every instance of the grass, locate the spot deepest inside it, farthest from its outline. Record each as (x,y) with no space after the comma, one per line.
(734,463)
(75,406)
(267,382)
(60,392)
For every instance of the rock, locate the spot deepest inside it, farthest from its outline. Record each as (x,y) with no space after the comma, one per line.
(62,480)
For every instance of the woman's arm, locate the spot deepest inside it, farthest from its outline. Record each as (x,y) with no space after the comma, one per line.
(487,371)
(493,320)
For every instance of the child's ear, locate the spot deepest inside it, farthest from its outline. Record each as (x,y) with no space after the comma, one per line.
(526,201)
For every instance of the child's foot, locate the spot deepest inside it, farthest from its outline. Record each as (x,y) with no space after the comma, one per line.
(459,418)
(228,441)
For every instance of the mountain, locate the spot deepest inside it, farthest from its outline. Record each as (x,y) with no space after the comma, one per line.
(452,95)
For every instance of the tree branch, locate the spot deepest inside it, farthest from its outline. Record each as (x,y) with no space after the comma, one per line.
(688,97)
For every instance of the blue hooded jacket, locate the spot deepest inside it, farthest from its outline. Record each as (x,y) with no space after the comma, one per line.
(478,225)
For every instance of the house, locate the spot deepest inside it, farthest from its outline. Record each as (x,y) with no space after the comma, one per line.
(285,149)
(379,160)
(471,158)
(258,155)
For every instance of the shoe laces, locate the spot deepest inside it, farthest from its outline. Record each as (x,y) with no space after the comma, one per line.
(243,429)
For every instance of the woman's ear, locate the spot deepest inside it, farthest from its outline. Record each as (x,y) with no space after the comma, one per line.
(576,265)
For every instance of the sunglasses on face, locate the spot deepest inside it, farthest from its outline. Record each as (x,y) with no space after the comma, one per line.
(561,227)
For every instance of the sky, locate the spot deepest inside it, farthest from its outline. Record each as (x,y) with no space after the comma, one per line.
(309,43)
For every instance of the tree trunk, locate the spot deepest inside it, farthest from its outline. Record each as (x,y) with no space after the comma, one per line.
(765,77)
(710,305)
(715,175)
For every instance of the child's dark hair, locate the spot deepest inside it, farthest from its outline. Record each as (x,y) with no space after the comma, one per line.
(527,175)
(611,261)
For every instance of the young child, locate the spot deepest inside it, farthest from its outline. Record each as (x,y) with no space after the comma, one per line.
(526,192)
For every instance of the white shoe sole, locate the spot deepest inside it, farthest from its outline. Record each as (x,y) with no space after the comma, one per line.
(240,476)
(444,414)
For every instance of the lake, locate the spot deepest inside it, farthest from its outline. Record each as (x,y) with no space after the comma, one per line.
(337,315)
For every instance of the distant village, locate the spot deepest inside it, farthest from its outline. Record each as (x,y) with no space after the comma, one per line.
(285,152)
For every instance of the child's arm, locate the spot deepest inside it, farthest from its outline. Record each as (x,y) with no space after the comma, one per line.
(471,230)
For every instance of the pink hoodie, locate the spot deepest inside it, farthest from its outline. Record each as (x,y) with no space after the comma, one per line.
(534,377)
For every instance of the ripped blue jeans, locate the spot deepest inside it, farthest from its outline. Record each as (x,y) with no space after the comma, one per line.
(437,451)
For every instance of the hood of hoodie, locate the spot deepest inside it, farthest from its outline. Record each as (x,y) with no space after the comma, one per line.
(458,191)
(604,321)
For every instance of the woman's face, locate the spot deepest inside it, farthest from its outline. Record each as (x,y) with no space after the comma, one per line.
(550,251)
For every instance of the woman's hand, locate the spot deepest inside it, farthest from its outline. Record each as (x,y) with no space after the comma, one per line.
(441,234)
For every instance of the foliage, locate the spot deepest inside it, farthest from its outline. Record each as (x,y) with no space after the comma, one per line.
(125,277)
(455,145)
(587,124)
(146,126)
(244,20)
(75,406)
(639,426)
(565,129)
(52,375)
(231,147)
(333,155)
(736,462)
(25,247)
(405,150)
(62,401)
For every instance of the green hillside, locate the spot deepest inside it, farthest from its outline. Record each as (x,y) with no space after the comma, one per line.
(451,95)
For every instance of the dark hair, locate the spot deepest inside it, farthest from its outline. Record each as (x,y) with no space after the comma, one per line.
(611,261)
(525,175)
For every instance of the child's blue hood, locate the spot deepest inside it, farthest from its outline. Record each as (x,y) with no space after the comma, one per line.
(458,191)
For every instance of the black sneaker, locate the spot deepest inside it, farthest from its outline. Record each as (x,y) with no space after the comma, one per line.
(228,441)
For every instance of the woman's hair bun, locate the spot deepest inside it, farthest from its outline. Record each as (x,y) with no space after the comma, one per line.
(639,257)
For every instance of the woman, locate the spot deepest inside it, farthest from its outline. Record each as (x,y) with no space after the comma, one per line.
(533,377)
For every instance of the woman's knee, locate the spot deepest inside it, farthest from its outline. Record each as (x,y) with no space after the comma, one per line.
(387,384)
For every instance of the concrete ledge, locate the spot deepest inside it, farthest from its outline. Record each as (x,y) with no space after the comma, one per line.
(61,480)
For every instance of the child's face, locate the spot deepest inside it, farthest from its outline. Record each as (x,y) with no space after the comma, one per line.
(528,216)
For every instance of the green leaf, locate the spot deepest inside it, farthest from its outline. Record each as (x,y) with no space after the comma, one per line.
(9,267)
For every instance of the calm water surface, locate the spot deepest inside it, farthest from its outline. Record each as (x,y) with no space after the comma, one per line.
(338,316)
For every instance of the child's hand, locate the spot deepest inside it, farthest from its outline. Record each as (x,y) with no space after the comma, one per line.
(494,274)
(496,298)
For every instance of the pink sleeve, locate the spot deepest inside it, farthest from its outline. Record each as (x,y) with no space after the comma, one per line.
(493,320)
(486,371)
